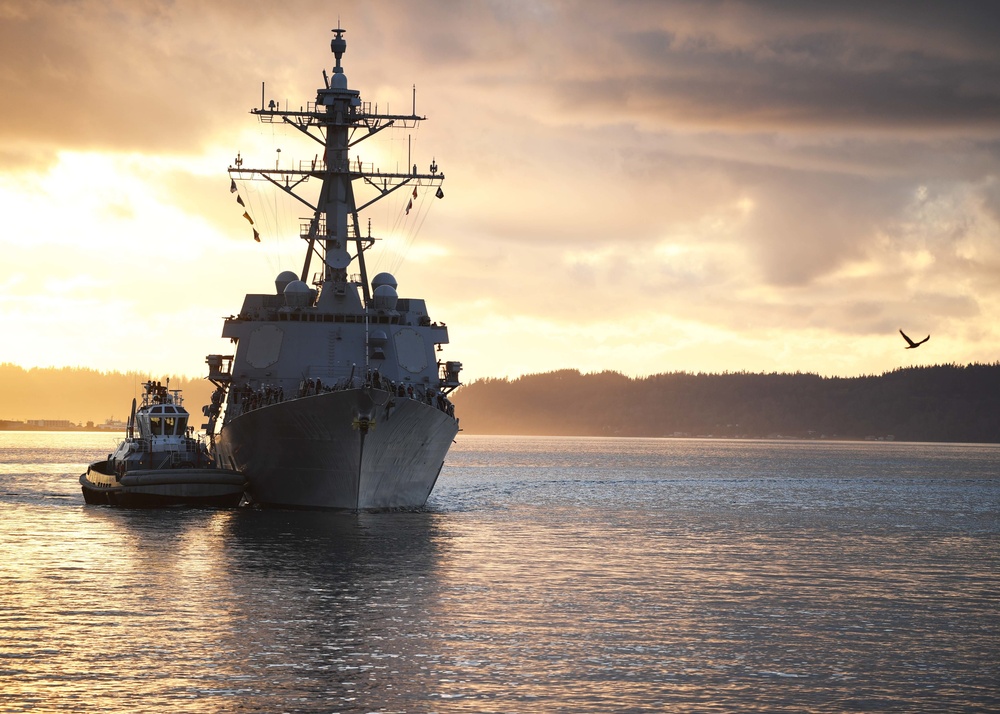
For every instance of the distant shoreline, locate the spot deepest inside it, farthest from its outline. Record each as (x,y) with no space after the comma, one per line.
(943,404)
(939,404)
(703,437)
(31,427)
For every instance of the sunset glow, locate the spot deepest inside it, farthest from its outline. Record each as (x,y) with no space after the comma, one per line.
(642,187)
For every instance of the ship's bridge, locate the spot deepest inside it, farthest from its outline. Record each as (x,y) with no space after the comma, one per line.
(162,420)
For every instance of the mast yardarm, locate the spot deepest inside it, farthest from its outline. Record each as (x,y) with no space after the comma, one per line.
(338,120)
(335,396)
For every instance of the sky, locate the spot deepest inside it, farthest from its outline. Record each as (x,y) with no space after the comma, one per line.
(642,187)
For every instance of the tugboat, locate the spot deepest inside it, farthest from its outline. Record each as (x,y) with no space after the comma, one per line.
(162,464)
(334,398)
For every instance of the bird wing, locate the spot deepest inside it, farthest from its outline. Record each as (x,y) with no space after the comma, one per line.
(911,342)
(924,340)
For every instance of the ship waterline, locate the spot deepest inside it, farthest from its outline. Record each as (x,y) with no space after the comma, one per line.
(353,449)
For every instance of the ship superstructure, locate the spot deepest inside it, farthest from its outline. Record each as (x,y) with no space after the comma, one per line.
(334,396)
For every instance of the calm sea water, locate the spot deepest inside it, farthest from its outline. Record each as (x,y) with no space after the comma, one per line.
(546,575)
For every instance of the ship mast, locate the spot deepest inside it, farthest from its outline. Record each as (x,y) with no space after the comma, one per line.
(338,120)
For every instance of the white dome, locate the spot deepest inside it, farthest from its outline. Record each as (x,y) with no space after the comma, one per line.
(284,277)
(384,279)
(385,297)
(297,294)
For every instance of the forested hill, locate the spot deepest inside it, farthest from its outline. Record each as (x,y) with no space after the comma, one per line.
(82,395)
(941,403)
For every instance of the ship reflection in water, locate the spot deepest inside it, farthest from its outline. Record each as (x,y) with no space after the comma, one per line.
(565,575)
(337,600)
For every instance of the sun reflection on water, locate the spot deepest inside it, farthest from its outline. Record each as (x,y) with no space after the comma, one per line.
(553,575)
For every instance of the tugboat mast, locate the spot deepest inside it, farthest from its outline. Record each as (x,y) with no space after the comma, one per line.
(338,120)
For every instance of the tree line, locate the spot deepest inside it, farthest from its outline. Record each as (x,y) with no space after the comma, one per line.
(940,403)
(81,395)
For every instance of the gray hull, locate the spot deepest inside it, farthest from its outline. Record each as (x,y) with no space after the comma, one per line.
(318,451)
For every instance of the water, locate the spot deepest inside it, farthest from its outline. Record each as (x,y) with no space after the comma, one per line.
(546,575)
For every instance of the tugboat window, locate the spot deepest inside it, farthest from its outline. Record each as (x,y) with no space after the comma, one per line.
(155,427)
(168,426)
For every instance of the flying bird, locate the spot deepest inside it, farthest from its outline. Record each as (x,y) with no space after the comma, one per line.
(910,343)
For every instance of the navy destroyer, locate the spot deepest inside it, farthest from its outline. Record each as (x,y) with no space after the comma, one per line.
(334,396)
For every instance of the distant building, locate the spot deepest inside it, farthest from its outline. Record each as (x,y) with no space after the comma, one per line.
(51,423)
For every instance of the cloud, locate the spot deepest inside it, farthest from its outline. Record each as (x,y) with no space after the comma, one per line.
(651,175)
(133,75)
(734,66)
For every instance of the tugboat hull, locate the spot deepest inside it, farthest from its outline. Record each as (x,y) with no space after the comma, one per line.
(353,449)
(156,488)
